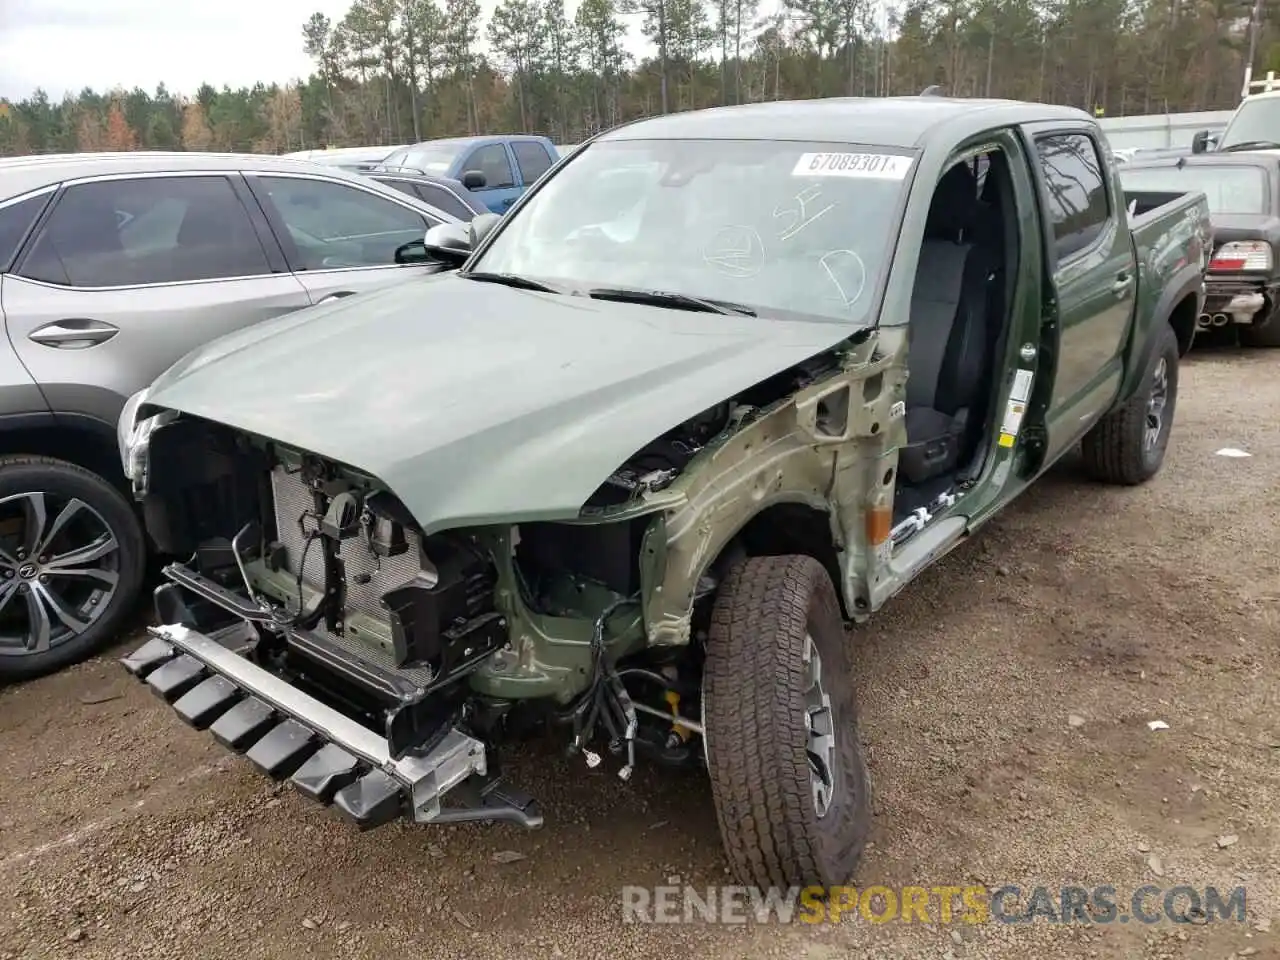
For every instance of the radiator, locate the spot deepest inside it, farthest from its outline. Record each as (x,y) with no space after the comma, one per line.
(292,498)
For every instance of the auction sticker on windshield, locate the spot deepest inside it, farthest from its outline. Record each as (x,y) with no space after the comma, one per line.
(876,166)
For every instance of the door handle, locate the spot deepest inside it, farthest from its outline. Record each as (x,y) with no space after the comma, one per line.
(1124,279)
(509,201)
(76,333)
(334,296)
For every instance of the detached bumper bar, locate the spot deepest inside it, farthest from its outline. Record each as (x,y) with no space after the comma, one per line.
(325,755)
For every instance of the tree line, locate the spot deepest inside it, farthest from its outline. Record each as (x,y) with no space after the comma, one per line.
(398,71)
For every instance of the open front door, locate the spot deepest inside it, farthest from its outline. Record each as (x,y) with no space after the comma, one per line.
(981,340)
(1026,369)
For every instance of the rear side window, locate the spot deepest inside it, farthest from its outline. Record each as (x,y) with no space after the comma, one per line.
(15,220)
(532,158)
(492,161)
(117,233)
(1077,194)
(445,200)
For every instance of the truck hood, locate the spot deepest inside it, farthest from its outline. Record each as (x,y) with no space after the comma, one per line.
(475,402)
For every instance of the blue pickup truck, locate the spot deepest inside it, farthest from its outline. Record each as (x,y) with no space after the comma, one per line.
(496,169)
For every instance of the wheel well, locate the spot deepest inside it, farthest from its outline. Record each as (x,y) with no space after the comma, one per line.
(791,528)
(1183,321)
(84,448)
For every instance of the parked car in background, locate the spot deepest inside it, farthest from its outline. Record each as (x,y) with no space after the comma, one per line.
(1255,124)
(112,266)
(1243,190)
(496,169)
(447,194)
(355,159)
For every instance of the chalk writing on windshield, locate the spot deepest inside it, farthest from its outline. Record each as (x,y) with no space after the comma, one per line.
(847,273)
(735,251)
(801,214)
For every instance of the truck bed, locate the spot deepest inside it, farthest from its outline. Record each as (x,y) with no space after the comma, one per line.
(1172,236)
(1143,203)
(1164,222)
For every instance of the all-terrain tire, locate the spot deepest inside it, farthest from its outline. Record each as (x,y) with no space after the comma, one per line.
(25,474)
(1115,449)
(756,738)
(1267,335)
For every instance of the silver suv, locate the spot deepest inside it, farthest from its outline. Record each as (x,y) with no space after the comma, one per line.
(112,267)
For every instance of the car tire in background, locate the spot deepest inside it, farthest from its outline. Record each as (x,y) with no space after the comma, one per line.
(1267,335)
(787,770)
(72,560)
(1127,446)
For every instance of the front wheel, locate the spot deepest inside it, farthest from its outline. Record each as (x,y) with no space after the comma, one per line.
(781,730)
(1127,446)
(72,559)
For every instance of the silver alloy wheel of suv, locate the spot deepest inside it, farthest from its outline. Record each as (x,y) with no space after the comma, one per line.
(59,573)
(72,561)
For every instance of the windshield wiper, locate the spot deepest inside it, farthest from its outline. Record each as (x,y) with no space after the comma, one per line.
(1250,145)
(664,298)
(510,280)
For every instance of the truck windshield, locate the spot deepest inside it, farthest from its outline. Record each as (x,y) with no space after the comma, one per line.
(1229,188)
(1256,123)
(428,158)
(791,230)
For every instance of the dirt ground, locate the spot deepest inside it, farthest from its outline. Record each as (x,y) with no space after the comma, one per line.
(1005,700)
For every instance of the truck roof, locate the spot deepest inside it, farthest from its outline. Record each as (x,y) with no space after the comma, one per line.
(337,155)
(885,121)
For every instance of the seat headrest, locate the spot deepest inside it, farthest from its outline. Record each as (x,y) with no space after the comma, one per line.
(955,200)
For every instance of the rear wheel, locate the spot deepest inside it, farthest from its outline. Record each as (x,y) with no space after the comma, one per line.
(787,772)
(1127,446)
(72,561)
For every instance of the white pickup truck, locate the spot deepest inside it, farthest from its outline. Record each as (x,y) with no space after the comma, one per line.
(1255,126)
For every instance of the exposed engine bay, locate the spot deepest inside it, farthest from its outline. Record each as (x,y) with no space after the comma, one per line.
(410,634)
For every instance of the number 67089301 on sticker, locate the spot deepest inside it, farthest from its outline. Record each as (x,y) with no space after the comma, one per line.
(875,166)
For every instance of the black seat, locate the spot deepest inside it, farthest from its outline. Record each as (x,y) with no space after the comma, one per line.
(949,350)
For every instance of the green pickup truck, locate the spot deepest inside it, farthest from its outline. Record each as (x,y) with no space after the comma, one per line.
(632,471)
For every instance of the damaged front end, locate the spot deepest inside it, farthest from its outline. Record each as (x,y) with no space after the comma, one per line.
(321,638)
(317,629)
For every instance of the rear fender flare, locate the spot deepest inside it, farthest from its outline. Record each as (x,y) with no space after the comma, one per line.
(1186,282)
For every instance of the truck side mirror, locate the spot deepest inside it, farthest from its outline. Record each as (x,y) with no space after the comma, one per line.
(474,180)
(1200,142)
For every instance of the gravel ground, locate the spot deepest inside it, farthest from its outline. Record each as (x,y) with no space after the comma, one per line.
(1005,700)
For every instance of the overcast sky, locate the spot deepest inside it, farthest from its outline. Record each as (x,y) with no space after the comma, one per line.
(66,45)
